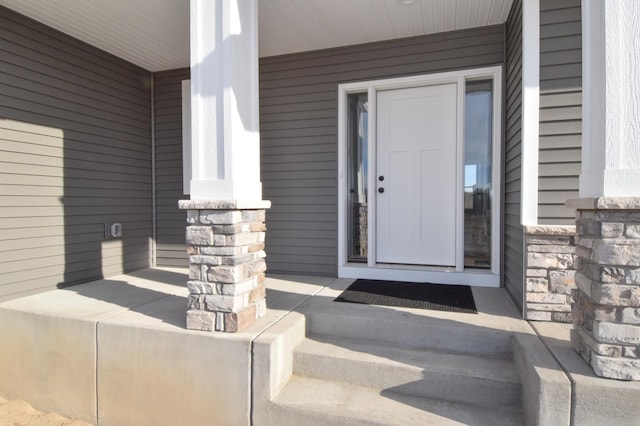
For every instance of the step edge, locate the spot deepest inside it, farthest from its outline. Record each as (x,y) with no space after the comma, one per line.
(508,410)
(367,357)
(502,338)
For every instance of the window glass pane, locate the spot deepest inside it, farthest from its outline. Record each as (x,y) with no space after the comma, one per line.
(477,173)
(357,142)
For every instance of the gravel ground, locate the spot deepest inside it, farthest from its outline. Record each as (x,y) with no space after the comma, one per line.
(20,413)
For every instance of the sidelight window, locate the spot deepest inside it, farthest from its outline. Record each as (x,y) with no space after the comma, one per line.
(357,141)
(478,107)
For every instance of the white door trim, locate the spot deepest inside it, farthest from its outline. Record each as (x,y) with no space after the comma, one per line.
(457,275)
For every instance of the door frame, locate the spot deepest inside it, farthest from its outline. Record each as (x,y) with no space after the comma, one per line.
(442,275)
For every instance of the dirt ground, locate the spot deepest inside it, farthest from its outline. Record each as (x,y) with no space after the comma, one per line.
(19,413)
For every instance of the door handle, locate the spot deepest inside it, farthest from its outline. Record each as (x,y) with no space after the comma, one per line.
(381,190)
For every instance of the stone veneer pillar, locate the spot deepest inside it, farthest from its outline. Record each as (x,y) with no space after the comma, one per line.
(225,242)
(550,272)
(606,307)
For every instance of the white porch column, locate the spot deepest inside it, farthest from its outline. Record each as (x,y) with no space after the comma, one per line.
(606,307)
(224,100)
(611,99)
(530,111)
(226,214)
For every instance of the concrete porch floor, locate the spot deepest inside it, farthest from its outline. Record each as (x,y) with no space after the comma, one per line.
(116,352)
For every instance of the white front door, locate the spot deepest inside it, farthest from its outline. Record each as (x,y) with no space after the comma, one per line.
(416,175)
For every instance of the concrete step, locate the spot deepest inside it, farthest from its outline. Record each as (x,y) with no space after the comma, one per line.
(405,329)
(489,380)
(307,401)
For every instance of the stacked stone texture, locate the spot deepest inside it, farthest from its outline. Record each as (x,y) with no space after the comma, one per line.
(550,272)
(606,311)
(227,266)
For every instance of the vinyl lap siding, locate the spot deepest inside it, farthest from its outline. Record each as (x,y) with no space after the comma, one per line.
(560,109)
(75,154)
(170,243)
(513,243)
(298,126)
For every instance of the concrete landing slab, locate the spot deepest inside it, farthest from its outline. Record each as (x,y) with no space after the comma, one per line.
(496,310)
(117,351)
(596,400)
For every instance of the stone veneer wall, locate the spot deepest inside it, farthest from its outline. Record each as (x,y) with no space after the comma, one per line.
(550,272)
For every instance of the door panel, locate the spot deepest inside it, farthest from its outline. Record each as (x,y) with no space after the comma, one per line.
(416,157)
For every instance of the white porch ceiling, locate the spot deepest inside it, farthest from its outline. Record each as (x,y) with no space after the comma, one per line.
(288,26)
(154,34)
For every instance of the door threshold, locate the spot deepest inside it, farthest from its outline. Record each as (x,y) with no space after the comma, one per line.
(415,273)
(410,267)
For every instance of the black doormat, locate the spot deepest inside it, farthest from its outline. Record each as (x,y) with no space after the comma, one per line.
(439,297)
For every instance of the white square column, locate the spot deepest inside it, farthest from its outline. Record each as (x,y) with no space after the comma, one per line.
(225,136)
(611,99)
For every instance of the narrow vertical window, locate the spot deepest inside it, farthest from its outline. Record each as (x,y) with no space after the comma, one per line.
(477,173)
(357,142)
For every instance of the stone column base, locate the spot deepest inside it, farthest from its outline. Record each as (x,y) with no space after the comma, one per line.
(225,242)
(606,307)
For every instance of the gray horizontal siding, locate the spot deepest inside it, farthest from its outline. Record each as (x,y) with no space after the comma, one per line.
(75,154)
(513,237)
(170,221)
(560,109)
(298,125)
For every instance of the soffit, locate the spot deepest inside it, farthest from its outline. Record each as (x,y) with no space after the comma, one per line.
(293,25)
(154,34)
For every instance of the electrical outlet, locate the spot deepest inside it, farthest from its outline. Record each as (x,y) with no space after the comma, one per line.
(116,230)
(113,230)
